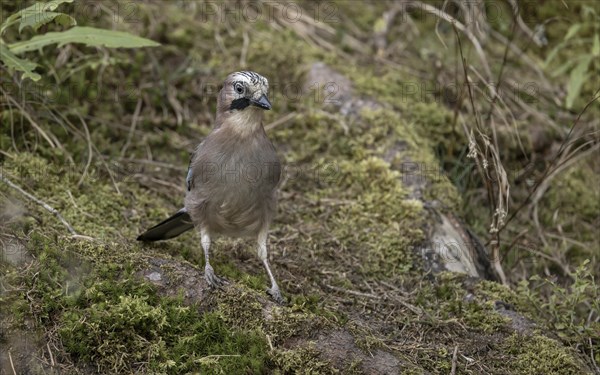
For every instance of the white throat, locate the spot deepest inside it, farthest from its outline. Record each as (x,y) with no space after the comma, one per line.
(245,122)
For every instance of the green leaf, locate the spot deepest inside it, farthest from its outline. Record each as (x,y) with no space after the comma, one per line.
(588,11)
(572,31)
(32,10)
(553,54)
(14,63)
(563,68)
(576,80)
(36,20)
(40,7)
(90,36)
(379,26)
(596,47)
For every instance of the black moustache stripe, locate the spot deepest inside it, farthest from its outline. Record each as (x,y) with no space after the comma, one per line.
(240,103)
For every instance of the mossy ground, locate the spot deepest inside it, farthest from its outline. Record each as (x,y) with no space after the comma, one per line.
(345,220)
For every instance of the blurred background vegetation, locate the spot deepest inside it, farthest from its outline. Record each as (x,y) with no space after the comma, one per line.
(103,136)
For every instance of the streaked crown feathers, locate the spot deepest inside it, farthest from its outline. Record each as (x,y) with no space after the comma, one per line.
(253,81)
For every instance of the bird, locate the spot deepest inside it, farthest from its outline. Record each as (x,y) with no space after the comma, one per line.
(232,177)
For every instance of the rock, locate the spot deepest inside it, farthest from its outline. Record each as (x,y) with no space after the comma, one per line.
(450,245)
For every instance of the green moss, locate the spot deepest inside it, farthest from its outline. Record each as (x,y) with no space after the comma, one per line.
(496,291)
(316,305)
(540,355)
(353,171)
(240,307)
(365,338)
(120,325)
(446,299)
(285,325)
(482,316)
(417,160)
(56,182)
(380,220)
(302,360)
(424,128)
(491,291)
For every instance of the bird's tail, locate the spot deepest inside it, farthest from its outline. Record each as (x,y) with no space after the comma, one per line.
(172,227)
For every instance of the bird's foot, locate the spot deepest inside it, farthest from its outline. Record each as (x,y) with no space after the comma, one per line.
(276,295)
(213,280)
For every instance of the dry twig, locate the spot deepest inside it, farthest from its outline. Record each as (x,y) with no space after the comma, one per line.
(46,206)
(454,355)
(134,121)
(498,207)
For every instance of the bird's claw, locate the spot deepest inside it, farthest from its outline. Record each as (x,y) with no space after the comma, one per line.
(276,295)
(213,280)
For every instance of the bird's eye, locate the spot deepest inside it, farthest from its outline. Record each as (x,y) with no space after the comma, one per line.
(239,88)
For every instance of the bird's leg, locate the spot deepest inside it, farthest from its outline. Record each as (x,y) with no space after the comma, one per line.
(209,274)
(262,254)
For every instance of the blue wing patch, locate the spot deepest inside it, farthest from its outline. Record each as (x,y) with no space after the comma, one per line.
(189,178)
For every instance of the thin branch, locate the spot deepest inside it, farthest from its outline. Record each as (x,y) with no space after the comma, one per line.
(502,66)
(454,360)
(12,365)
(550,166)
(496,211)
(90,155)
(46,206)
(457,25)
(53,143)
(134,121)
(538,41)
(353,292)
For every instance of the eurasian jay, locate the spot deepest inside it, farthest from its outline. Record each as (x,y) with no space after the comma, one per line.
(232,177)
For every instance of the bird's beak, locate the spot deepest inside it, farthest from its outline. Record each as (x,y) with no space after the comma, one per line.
(262,102)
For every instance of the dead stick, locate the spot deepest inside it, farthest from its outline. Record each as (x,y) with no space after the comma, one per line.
(453,370)
(12,365)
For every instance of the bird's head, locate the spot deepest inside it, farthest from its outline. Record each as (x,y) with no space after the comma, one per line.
(242,101)
(244,91)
